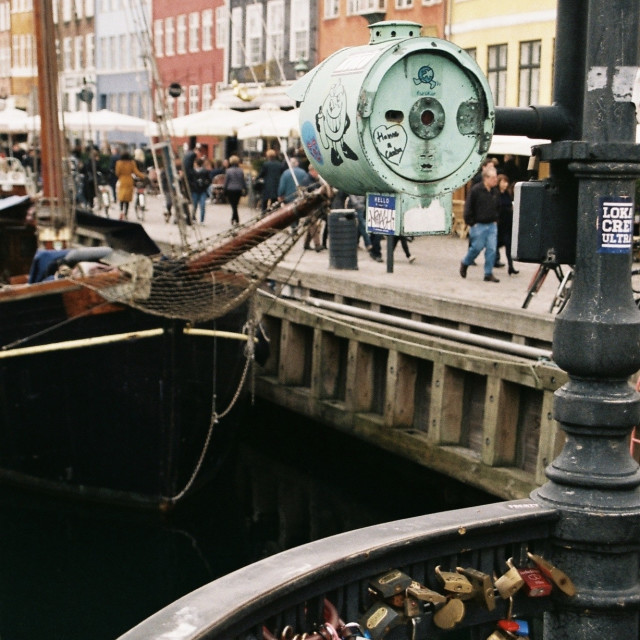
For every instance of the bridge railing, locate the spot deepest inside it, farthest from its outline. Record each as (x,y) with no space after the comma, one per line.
(292,592)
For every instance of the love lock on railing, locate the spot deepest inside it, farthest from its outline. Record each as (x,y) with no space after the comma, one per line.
(400,608)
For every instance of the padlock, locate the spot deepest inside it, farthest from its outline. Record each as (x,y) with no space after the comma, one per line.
(557,576)
(383,621)
(454,582)
(508,583)
(412,607)
(449,615)
(516,627)
(482,587)
(424,594)
(350,630)
(391,586)
(535,584)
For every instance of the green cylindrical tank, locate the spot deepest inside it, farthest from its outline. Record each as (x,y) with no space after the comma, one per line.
(405,116)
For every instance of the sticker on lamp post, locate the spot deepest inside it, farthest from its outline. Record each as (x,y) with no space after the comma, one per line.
(381,214)
(615,225)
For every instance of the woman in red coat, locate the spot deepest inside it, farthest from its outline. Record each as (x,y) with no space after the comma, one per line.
(125,168)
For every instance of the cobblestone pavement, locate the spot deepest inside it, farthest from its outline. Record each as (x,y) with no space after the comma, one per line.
(434,271)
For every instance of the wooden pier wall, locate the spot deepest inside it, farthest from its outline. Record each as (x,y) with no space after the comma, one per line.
(478,415)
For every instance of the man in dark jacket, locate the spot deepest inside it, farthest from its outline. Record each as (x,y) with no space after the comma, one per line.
(481,213)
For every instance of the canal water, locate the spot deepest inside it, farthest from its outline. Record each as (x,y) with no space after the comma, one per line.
(72,572)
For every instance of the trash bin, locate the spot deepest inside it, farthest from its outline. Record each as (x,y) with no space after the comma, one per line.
(343,239)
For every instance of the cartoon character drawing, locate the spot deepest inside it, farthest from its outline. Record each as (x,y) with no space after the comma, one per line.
(332,121)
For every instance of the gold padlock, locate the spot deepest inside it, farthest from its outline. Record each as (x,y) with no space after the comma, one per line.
(557,576)
(499,635)
(482,587)
(454,582)
(449,615)
(510,582)
(419,591)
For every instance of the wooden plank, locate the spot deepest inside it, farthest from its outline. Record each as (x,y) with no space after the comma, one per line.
(552,438)
(447,393)
(326,375)
(291,370)
(500,423)
(400,390)
(359,387)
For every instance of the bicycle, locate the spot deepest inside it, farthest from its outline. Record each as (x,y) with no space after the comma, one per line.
(562,293)
(140,199)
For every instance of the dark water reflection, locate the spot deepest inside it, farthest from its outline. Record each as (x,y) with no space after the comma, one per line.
(77,572)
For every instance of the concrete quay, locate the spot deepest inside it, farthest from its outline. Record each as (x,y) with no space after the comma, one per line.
(435,271)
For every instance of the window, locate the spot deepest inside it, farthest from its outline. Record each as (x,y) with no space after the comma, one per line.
(207,96)
(473,52)
(181,44)
(89,51)
(182,103)
(275,30)
(66,54)
(123,52)
(104,53)
(77,52)
(404,4)
(497,73)
(356,7)
(194,32)
(253,44)
(529,73)
(78,9)
(89,8)
(331,8)
(429,3)
(299,45)
(194,98)
(169,37)
(158,34)
(221,27)
(207,30)
(236,37)
(66,10)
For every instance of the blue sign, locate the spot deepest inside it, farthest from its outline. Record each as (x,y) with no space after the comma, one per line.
(381,214)
(615,224)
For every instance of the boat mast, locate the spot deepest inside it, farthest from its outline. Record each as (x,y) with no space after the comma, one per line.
(54,219)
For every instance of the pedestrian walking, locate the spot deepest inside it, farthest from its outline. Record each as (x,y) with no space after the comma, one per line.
(270,173)
(125,169)
(199,185)
(481,213)
(235,186)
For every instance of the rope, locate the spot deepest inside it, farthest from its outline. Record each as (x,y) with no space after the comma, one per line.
(215,416)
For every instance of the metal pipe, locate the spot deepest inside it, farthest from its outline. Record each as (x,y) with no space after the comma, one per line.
(78,344)
(425,327)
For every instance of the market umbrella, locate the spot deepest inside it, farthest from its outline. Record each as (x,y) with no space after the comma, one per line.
(13,120)
(269,121)
(217,121)
(104,121)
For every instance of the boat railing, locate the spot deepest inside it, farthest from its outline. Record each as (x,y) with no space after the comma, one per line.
(301,589)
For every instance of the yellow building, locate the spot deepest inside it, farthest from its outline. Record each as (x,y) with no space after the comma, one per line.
(513,43)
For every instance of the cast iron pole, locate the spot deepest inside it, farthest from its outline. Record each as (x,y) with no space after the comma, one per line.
(594,482)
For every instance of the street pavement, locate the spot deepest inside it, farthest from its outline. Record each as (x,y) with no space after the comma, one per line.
(435,270)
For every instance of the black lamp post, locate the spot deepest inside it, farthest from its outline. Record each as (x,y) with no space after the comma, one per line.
(594,483)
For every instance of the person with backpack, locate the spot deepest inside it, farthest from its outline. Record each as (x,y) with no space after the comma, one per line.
(199,185)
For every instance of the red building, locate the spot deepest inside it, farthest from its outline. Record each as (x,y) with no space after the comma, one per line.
(344,23)
(189,41)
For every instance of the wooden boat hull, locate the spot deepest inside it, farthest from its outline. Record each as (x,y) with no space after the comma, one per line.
(125,420)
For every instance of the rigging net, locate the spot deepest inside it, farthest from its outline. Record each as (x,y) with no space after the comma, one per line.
(206,282)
